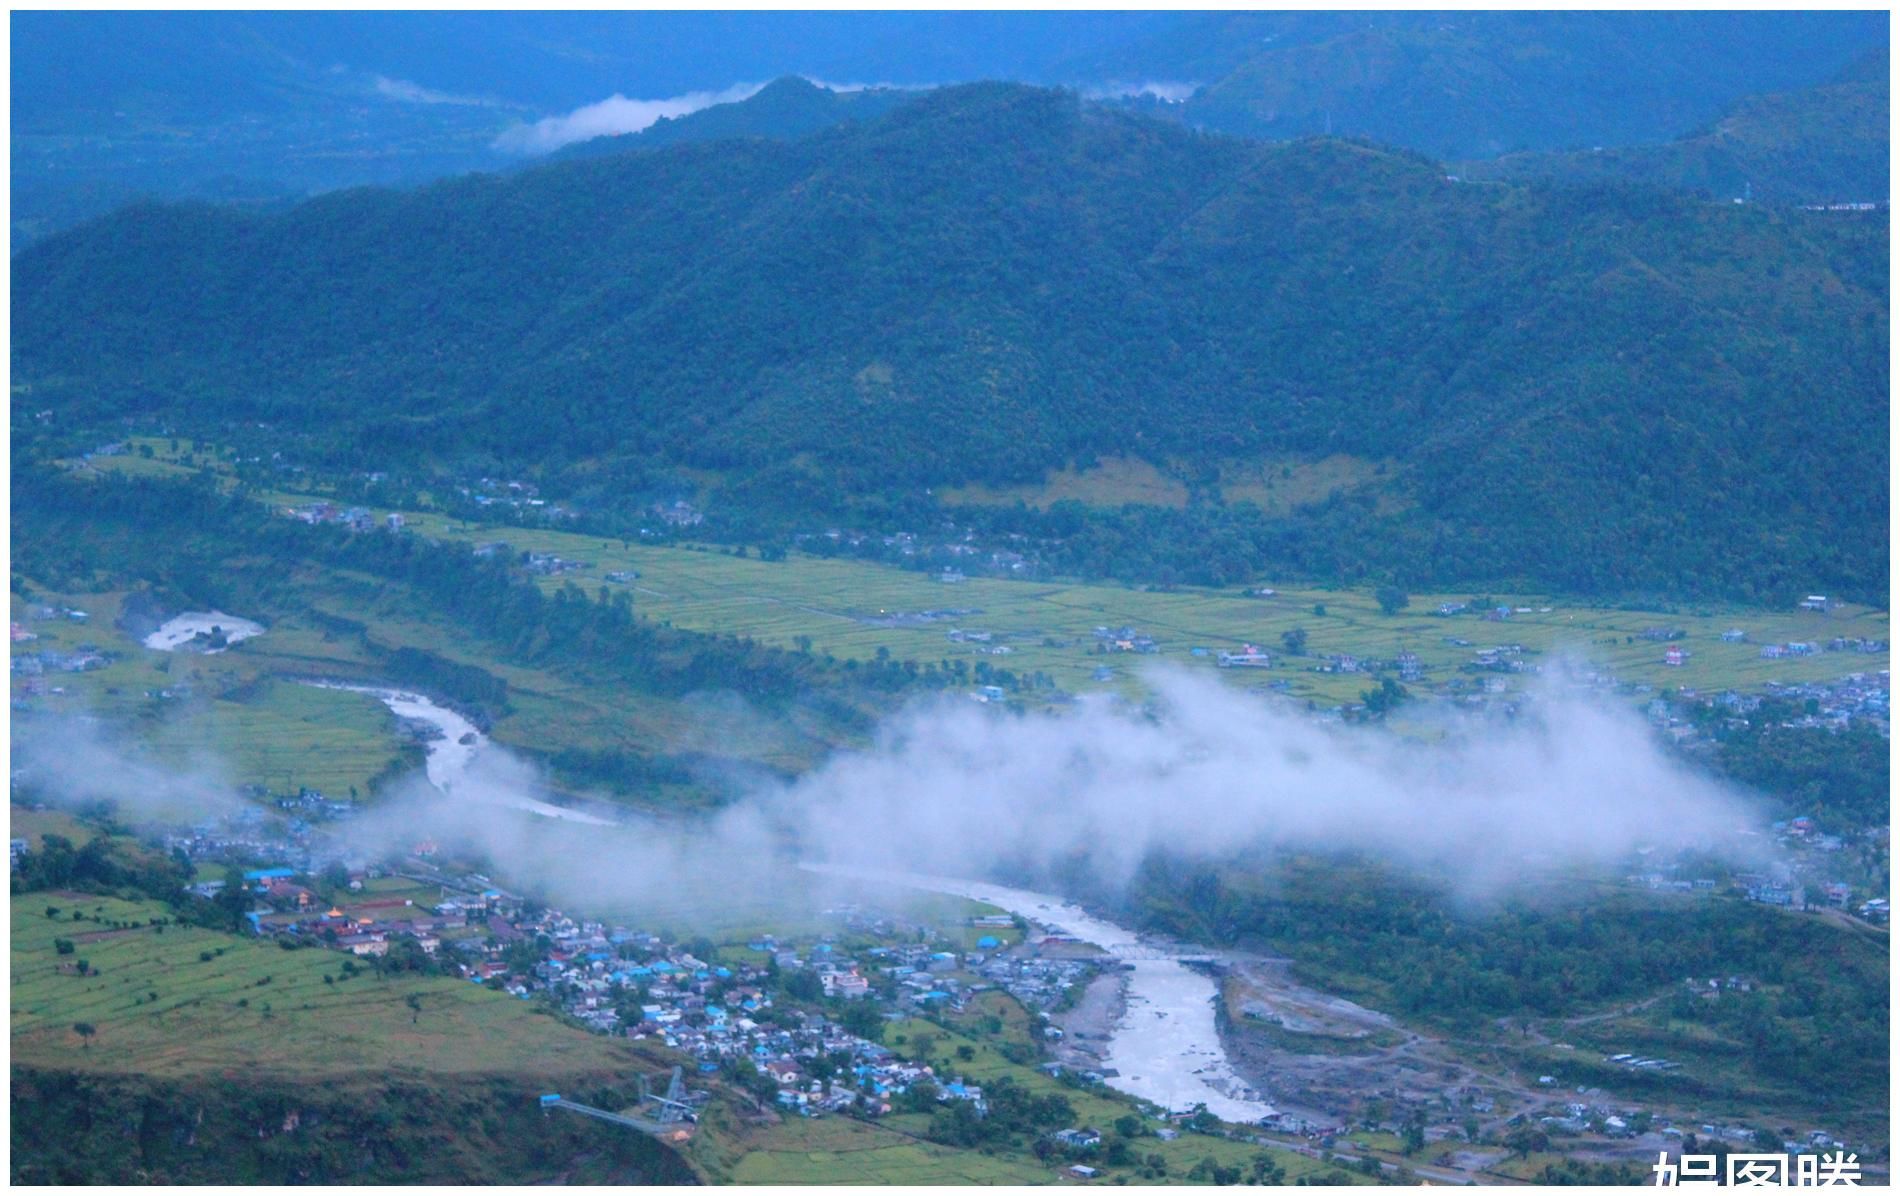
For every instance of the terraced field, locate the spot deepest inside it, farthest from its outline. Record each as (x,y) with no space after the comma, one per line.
(173,1000)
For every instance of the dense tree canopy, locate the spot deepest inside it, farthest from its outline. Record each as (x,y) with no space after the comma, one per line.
(1593,386)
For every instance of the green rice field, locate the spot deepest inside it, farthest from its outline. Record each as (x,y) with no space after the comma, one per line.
(853,610)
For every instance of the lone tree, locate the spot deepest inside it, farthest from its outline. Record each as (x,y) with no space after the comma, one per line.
(1391,599)
(1384,699)
(85,1030)
(1294,641)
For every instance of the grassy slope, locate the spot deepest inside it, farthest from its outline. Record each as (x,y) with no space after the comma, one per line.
(293,1025)
(197,1072)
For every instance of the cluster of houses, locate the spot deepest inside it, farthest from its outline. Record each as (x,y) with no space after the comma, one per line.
(1124,639)
(244,834)
(1490,614)
(41,613)
(1807,877)
(984,641)
(1248,657)
(548,564)
(917,618)
(1854,643)
(1584,1116)
(1500,658)
(1580,1117)
(678,514)
(1857,697)
(1033,980)
(950,560)
(623,981)
(355,518)
(519,497)
(306,806)
(82,659)
(1791,648)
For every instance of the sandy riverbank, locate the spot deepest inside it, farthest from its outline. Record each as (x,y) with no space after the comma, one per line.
(1088,1024)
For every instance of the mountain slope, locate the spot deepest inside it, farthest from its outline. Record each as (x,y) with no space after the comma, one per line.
(1598,386)
(1817,145)
(1477,84)
(784,110)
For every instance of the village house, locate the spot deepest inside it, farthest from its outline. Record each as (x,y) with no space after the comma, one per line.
(1249,657)
(848,985)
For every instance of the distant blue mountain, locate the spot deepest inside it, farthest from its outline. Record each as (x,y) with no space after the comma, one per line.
(255,106)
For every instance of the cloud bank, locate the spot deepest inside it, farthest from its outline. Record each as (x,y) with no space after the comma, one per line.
(73,762)
(618,115)
(1165,90)
(403,91)
(612,116)
(953,788)
(1570,781)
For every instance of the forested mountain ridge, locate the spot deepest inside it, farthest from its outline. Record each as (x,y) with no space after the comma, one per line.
(1477,84)
(1817,145)
(994,281)
(783,110)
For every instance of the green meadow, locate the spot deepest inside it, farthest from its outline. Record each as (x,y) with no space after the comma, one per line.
(232,716)
(846,608)
(164,999)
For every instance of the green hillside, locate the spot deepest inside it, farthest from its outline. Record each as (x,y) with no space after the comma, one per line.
(1590,388)
(1819,145)
(209,1058)
(1477,84)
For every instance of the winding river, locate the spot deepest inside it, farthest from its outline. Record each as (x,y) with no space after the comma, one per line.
(1166,1048)
(452,752)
